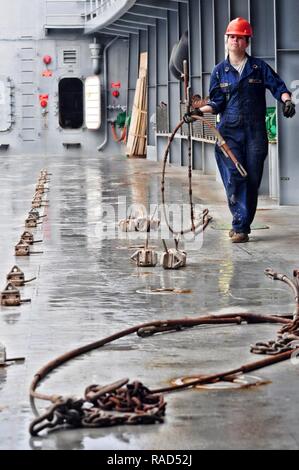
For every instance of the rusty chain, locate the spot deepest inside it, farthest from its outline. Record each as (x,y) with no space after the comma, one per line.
(288,337)
(124,403)
(204,219)
(121,403)
(191,110)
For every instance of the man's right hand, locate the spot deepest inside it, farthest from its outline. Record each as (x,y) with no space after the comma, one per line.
(189,117)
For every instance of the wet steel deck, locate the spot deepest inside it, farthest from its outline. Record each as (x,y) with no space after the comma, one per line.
(87,288)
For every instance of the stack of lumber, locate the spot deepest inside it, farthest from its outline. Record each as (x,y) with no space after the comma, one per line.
(136,146)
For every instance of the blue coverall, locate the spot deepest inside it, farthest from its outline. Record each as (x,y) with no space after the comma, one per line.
(241,103)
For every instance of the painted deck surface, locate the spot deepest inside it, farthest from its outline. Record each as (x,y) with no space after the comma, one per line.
(87,288)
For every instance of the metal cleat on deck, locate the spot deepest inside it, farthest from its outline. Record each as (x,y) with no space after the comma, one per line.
(32,221)
(40,187)
(43,179)
(146,224)
(17,277)
(2,355)
(35,213)
(39,192)
(4,360)
(173,258)
(145,257)
(11,296)
(22,249)
(139,224)
(28,237)
(127,225)
(38,201)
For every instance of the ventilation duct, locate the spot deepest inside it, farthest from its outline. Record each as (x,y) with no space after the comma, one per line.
(96,54)
(180,52)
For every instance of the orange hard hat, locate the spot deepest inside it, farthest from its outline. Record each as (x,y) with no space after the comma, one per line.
(240,27)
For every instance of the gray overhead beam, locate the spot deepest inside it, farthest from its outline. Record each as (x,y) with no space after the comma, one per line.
(117,30)
(161,4)
(131,24)
(111,33)
(148,12)
(138,19)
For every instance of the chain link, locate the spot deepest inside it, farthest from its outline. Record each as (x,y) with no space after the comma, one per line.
(130,404)
(283,343)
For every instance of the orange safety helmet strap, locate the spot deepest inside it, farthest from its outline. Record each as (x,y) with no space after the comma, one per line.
(239,27)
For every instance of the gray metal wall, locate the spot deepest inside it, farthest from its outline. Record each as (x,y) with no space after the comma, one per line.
(23,43)
(276,40)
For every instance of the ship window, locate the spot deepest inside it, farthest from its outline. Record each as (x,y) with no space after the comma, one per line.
(70,103)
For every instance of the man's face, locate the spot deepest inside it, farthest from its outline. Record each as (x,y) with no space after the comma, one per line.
(237,43)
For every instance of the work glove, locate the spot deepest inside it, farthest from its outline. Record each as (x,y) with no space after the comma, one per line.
(188,117)
(288,109)
(197,112)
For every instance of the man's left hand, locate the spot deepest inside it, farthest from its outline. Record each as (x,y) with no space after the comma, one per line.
(289,109)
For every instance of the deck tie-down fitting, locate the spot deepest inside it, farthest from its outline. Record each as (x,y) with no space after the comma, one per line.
(23,249)
(139,224)
(34,212)
(28,237)
(4,360)
(11,297)
(43,179)
(145,257)
(173,258)
(17,277)
(127,225)
(41,188)
(31,222)
(38,201)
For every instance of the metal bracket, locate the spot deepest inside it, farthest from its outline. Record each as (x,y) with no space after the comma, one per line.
(11,296)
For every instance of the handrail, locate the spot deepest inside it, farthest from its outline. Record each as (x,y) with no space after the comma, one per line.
(96,8)
(100,7)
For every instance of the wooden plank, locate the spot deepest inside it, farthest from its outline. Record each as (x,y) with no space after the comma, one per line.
(137,133)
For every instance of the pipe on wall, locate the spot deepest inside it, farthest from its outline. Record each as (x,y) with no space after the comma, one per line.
(104,143)
(96,51)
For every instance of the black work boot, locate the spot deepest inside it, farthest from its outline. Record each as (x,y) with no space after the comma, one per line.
(240,238)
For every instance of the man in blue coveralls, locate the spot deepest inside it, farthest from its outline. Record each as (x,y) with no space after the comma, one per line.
(237,93)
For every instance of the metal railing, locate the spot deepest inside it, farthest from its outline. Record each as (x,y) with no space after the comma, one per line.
(69,13)
(65,13)
(95,8)
(105,9)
